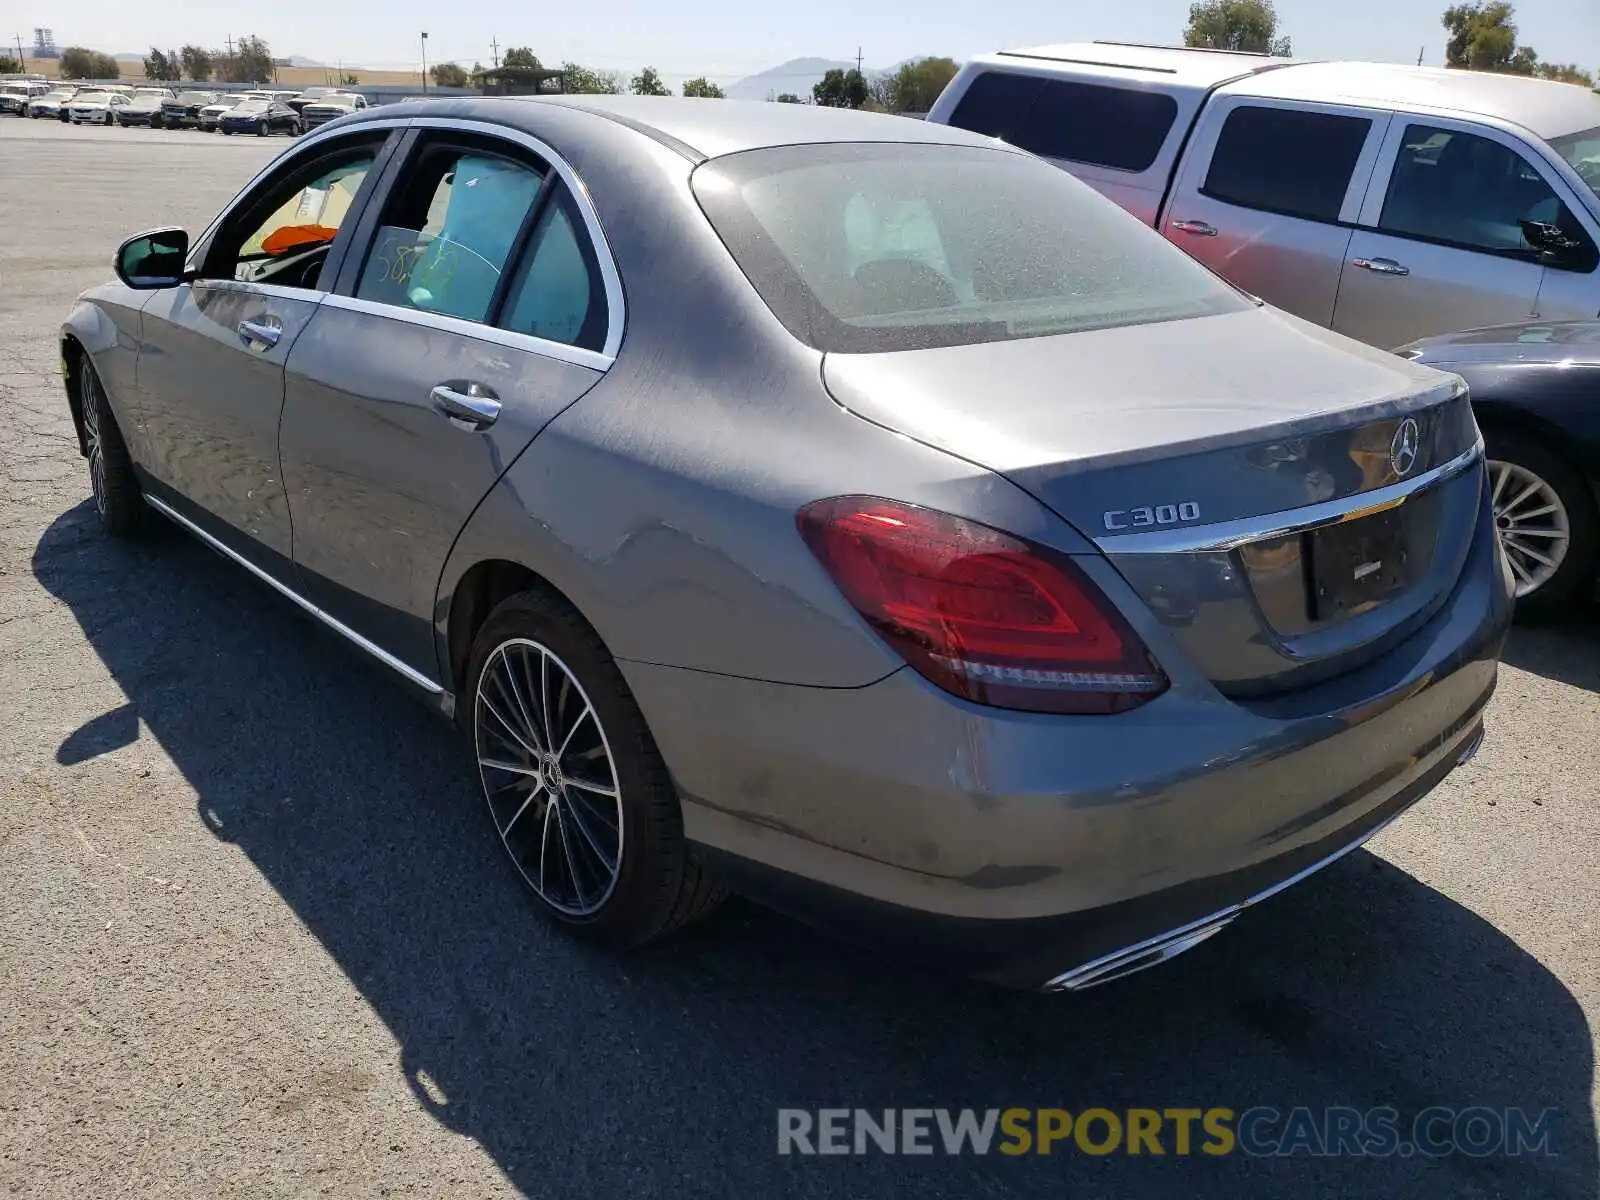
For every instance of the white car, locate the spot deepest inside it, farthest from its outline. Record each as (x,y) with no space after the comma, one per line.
(331,107)
(52,103)
(211,114)
(15,94)
(93,107)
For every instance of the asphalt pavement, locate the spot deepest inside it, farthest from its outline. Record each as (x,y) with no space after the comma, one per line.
(256,939)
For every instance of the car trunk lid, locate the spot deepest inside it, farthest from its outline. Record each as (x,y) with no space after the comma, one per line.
(1287,502)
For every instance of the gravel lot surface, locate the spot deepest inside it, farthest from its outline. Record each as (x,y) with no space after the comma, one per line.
(257,941)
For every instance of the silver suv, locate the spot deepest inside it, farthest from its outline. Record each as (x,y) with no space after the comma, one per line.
(1386,202)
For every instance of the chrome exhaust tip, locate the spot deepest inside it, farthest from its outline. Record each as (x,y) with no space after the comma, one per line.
(1141,957)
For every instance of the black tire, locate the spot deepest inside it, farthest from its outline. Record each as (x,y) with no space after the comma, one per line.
(228,132)
(261,129)
(660,884)
(112,482)
(1574,579)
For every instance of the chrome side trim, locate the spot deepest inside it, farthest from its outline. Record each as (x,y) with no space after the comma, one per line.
(575,355)
(1173,942)
(377,652)
(1228,535)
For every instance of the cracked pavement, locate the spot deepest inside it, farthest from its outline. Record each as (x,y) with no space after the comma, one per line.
(256,939)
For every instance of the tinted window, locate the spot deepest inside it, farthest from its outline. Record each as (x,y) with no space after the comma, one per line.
(1468,190)
(865,247)
(448,231)
(1078,122)
(1286,161)
(1582,150)
(559,295)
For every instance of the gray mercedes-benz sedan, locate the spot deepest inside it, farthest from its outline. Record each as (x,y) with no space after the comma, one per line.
(853,512)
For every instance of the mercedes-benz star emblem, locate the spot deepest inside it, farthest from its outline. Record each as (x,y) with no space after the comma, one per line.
(1403,449)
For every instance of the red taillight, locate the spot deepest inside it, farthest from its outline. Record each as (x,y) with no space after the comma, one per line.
(981,613)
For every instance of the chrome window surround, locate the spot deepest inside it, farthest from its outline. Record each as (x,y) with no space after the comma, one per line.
(1229,535)
(610,279)
(372,648)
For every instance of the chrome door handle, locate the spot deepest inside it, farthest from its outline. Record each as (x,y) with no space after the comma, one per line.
(1380,266)
(475,408)
(1196,228)
(258,331)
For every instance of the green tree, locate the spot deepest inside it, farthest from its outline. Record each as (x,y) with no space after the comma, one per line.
(106,67)
(917,84)
(521,56)
(1565,73)
(78,62)
(197,64)
(789,98)
(585,81)
(1483,37)
(841,89)
(349,79)
(1235,25)
(703,87)
(162,67)
(449,74)
(648,83)
(10,65)
(251,61)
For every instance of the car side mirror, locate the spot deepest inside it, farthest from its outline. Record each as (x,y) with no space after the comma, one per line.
(1555,246)
(154,260)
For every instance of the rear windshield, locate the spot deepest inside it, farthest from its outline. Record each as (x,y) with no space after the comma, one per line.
(197,97)
(250,107)
(862,247)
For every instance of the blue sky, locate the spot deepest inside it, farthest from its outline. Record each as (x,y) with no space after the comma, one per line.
(728,39)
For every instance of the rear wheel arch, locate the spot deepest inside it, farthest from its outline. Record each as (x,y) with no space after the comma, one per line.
(476,594)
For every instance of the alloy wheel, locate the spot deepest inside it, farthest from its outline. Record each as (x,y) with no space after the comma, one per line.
(92,401)
(549,777)
(1532,523)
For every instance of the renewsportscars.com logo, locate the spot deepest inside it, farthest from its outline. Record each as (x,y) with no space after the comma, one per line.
(1261,1131)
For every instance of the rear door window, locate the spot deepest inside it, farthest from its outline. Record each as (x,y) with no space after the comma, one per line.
(448,230)
(1286,160)
(558,294)
(1122,128)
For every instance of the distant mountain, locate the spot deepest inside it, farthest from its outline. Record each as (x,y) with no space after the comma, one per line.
(797,76)
(300,60)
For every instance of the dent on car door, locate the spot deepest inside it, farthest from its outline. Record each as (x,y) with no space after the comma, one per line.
(1268,192)
(213,351)
(1444,243)
(477,312)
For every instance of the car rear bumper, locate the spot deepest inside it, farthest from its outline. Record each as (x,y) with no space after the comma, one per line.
(1022,847)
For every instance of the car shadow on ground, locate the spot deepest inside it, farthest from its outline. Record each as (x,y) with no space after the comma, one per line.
(662,1072)
(1566,649)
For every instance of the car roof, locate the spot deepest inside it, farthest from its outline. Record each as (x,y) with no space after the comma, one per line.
(1179,65)
(1546,107)
(697,128)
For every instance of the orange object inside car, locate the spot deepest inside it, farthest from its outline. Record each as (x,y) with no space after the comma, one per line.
(296,237)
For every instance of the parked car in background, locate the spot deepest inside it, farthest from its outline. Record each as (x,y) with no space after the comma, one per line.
(183,110)
(145,107)
(330,107)
(309,95)
(1536,390)
(261,117)
(96,107)
(15,94)
(1123,605)
(211,114)
(1386,202)
(52,103)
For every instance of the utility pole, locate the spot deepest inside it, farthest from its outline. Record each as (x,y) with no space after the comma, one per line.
(494,52)
(858,60)
(424,62)
(1420,52)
